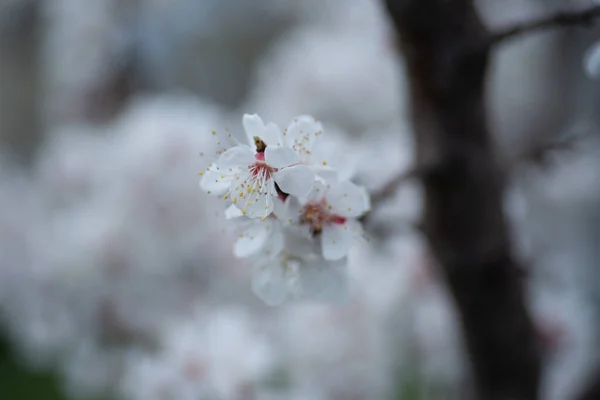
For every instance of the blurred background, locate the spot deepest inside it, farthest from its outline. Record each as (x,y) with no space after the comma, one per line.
(116,277)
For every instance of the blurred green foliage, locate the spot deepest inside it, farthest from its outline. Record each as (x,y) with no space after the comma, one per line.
(18,383)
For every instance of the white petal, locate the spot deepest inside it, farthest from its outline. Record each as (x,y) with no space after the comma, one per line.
(289,211)
(252,241)
(592,61)
(327,173)
(336,240)
(299,242)
(269,283)
(297,180)
(272,135)
(276,241)
(279,156)
(215,183)
(259,202)
(346,199)
(324,280)
(366,198)
(233,212)
(317,192)
(238,156)
(253,126)
(302,133)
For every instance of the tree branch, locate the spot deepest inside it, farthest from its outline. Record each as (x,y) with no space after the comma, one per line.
(584,17)
(388,190)
(445,50)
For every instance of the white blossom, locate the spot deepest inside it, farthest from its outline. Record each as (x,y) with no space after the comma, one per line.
(329,214)
(248,174)
(290,276)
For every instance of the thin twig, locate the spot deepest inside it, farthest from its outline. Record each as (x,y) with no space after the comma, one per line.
(585,17)
(388,190)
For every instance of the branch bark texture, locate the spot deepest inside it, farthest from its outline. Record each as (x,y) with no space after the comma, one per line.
(445,48)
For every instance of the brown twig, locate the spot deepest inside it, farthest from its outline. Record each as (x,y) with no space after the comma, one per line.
(445,52)
(584,18)
(388,190)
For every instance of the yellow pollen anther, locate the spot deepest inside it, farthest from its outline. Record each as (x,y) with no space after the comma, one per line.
(324,163)
(241,194)
(263,219)
(214,133)
(201,173)
(234,200)
(248,203)
(244,211)
(226,196)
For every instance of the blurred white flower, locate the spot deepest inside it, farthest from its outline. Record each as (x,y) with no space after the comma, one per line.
(309,278)
(209,355)
(258,237)
(329,212)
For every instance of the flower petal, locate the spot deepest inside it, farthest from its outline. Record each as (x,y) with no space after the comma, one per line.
(297,180)
(346,199)
(252,241)
(215,183)
(256,198)
(276,240)
(324,280)
(233,212)
(272,135)
(302,133)
(238,156)
(253,126)
(280,156)
(317,192)
(269,282)
(336,240)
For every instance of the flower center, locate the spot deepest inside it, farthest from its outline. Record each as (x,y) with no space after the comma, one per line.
(260,169)
(317,215)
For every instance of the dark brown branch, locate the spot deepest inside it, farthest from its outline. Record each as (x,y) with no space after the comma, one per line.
(445,50)
(592,391)
(584,18)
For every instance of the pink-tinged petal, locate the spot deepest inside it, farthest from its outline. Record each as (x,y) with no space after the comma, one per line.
(253,126)
(336,240)
(215,183)
(323,280)
(252,241)
(296,181)
(280,157)
(269,282)
(302,133)
(346,199)
(238,156)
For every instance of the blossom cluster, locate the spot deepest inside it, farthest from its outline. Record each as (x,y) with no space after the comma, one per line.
(297,216)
